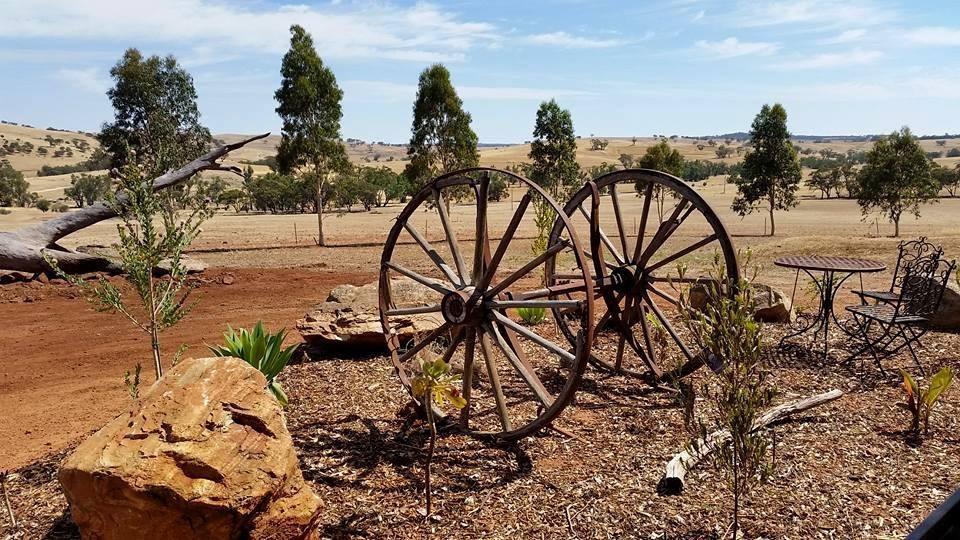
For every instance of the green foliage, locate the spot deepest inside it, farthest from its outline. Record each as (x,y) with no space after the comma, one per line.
(441,139)
(723,151)
(920,402)
(953,152)
(156,123)
(946,178)
(726,330)
(42,205)
(661,157)
(234,198)
(434,386)
(896,178)
(14,190)
(599,144)
(498,188)
(554,164)
(698,170)
(771,171)
(86,189)
(97,162)
(150,233)
(532,315)
(261,349)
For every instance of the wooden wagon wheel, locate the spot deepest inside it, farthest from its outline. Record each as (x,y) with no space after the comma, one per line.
(516,378)
(670,223)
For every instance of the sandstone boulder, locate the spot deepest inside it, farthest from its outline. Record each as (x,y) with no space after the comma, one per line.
(205,453)
(947,316)
(770,305)
(351,315)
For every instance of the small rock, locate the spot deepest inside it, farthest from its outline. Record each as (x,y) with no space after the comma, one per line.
(227,279)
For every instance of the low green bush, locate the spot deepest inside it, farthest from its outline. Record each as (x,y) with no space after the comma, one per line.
(261,349)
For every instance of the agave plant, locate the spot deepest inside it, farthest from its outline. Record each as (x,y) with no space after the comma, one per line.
(532,315)
(262,350)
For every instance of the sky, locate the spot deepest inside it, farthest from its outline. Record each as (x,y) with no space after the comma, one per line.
(629,68)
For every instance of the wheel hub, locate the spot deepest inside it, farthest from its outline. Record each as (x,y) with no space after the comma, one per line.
(627,278)
(454,309)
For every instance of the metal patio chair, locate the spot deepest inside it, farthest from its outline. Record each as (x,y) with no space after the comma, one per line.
(901,322)
(911,253)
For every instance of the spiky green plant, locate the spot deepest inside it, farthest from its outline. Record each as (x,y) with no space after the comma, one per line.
(532,315)
(261,349)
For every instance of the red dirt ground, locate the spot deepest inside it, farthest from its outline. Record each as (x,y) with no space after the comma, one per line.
(51,398)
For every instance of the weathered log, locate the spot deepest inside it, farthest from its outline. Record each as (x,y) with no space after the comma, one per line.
(23,249)
(672,482)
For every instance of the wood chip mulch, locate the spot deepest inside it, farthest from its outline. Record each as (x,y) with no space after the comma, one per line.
(844,470)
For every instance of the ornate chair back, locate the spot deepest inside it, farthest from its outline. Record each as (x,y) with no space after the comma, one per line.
(922,287)
(914,253)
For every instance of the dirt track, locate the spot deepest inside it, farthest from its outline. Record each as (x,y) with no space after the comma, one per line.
(63,362)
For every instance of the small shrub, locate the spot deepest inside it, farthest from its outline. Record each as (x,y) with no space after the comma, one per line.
(132,381)
(42,205)
(4,211)
(262,350)
(435,386)
(920,402)
(532,315)
(59,207)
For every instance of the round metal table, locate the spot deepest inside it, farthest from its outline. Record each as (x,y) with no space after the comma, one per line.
(827,287)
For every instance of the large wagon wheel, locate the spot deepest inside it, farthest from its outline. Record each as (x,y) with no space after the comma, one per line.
(516,378)
(637,332)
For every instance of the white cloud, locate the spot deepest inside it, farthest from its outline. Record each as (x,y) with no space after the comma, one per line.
(384,90)
(88,79)
(847,36)
(563,39)
(419,33)
(699,15)
(822,14)
(853,57)
(934,35)
(733,47)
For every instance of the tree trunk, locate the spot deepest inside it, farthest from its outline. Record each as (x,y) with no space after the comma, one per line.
(896,227)
(773,226)
(23,249)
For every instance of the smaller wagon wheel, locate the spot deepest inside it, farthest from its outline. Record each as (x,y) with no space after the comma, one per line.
(642,224)
(456,269)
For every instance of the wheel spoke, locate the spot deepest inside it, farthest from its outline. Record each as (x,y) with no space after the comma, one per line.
(433,254)
(647,195)
(534,337)
(471,343)
(524,368)
(689,249)
(669,327)
(537,261)
(603,237)
(504,243)
(495,382)
(480,239)
(619,217)
(663,295)
(651,357)
(549,304)
(396,312)
(423,280)
(451,235)
(431,337)
(666,229)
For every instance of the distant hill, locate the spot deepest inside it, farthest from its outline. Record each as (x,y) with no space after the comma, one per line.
(743,136)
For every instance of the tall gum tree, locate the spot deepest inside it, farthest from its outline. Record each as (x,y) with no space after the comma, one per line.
(553,156)
(309,106)
(441,138)
(771,171)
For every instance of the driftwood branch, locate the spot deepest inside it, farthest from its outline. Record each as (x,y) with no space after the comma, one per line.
(672,482)
(22,249)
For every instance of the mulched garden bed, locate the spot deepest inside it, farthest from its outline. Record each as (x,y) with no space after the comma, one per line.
(843,470)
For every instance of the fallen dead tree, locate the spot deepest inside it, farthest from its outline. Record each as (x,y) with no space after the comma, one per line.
(672,482)
(22,249)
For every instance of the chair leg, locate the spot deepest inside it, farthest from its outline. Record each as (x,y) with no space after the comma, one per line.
(914,338)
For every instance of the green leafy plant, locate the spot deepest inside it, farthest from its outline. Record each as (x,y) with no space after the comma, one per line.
(920,402)
(261,349)
(532,315)
(724,328)
(150,233)
(434,386)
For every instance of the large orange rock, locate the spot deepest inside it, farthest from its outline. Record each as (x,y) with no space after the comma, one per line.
(205,453)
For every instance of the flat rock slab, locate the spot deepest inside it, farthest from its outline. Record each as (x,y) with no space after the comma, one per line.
(351,315)
(205,453)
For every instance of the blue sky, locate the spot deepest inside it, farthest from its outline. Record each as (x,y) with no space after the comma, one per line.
(684,67)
